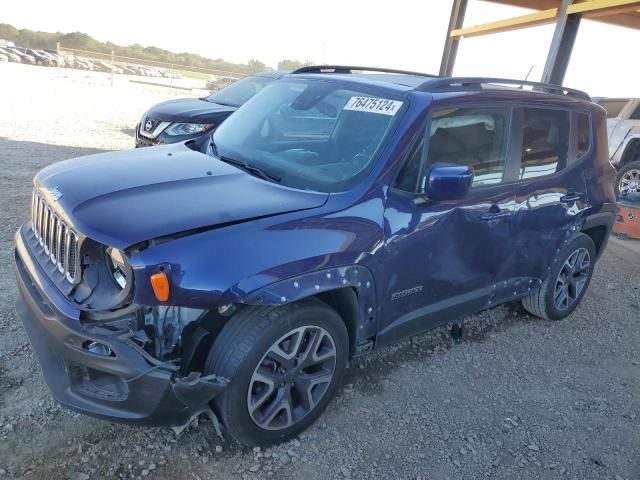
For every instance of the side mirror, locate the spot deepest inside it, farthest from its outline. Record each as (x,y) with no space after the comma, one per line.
(448,181)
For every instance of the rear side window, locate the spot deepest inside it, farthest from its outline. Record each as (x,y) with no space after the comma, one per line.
(545,142)
(471,136)
(583,130)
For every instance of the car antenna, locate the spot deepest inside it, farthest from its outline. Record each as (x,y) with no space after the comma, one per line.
(527,77)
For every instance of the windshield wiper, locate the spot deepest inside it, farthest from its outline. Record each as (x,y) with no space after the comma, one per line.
(250,168)
(213,148)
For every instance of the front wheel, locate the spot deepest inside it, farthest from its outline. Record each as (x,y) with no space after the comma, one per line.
(567,282)
(284,365)
(629,179)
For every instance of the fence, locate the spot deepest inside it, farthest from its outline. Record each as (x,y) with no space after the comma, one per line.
(146,71)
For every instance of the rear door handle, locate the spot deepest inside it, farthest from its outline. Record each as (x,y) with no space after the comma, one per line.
(571,197)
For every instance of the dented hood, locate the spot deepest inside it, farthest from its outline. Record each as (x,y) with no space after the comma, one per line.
(123,198)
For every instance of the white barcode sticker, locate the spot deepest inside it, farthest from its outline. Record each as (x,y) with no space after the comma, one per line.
(373,105)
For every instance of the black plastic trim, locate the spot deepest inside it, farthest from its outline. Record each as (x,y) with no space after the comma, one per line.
(601,219)
(126,387)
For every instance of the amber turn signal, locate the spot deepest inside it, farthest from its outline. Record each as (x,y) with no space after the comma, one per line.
(160,285)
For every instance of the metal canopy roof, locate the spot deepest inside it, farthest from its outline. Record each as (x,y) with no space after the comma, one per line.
(624,13)
(565,14)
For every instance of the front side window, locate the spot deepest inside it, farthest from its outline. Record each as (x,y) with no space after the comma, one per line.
(545,142)
(471,136)
(307,134)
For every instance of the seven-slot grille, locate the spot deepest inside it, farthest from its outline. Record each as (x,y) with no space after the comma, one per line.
(59,242)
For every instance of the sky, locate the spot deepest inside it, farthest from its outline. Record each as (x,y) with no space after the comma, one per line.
(406,34)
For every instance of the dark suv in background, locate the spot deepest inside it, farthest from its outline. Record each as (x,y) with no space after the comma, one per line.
(186,118)
(334,213)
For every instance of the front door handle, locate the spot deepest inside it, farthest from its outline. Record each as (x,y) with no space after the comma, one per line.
(571,197)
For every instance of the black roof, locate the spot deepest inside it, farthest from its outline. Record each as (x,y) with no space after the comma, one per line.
(426,82)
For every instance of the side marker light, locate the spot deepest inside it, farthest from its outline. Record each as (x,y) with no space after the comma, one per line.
(160,285)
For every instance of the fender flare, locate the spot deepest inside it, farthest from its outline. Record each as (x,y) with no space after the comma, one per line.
(605,220)
(601,219)
(356,277)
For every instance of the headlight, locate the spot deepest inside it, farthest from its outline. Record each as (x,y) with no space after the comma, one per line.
(119,267)
(188,128)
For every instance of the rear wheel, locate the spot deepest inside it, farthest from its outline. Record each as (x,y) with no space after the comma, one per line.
(629,179)
(567,282)
(284,364)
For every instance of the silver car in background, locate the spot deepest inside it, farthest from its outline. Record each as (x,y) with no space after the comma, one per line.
(623,129)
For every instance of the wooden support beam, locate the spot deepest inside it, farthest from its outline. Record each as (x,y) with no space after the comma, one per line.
(603,6)
(542,17)
(599,9)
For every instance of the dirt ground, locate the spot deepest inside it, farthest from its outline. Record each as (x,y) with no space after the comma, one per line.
(518,398)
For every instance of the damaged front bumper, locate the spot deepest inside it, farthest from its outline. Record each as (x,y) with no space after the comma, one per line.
(93,371)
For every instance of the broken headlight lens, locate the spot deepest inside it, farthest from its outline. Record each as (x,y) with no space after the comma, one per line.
(119,267)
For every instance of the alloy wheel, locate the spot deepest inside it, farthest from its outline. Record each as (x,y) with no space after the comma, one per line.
(629,182)
(291,378)
(572,279)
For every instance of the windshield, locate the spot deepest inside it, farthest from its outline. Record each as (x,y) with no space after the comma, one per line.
(239,92)
(312,135)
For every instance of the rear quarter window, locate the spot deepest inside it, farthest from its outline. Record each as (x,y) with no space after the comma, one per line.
(583,131)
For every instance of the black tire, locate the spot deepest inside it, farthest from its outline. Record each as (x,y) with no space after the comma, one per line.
(543,303)
(241,347)
(626,170)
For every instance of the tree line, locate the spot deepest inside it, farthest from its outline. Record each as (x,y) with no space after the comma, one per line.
(81,41)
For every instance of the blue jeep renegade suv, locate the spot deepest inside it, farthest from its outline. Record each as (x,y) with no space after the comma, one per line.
(337,211)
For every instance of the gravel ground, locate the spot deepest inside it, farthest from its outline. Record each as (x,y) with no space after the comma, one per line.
(517,398)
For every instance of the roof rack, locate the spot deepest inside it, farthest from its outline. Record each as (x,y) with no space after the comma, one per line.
(461,84)
(352,69)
